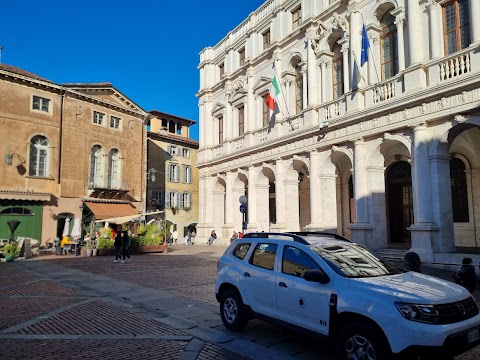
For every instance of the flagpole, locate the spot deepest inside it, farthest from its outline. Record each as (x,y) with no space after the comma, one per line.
(371,53)
(283,96)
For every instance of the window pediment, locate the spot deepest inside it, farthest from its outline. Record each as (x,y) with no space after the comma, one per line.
(218,109)
(262,85)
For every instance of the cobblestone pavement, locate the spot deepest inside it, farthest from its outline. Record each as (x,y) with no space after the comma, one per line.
(156,307)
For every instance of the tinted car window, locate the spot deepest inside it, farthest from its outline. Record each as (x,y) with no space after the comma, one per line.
(264,256)
(351,260)
(295,262)
(241,250)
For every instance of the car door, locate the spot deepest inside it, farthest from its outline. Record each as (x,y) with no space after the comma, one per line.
(300,302)
(259,279)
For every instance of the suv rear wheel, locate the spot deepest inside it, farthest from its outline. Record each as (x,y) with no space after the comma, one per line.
(362,341)
(232,310)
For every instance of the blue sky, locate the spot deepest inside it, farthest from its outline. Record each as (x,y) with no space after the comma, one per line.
(148,49)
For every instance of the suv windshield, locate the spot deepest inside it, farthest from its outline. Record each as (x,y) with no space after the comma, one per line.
(351,260)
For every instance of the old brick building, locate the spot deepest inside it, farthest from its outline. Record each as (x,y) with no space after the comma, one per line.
(66,153)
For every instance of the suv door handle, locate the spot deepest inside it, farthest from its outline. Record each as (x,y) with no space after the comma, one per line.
(282,284)
(246,274)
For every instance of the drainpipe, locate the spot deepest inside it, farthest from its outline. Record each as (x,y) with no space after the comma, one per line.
(61,136)
(144,162)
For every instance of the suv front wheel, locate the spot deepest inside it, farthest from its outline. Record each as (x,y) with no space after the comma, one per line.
(232,310)
(362,341)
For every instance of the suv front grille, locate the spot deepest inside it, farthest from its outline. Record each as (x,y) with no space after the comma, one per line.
(457,311)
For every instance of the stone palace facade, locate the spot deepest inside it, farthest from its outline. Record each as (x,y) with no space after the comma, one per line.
(384,152)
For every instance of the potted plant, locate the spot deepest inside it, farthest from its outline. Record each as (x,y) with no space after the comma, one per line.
(105,246)
(89,247)
(174,209)
(149,239)
(10,250)
(187,208)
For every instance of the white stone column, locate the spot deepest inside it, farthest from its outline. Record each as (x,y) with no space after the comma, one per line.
(373,76)
(315,193)
(474,23)
(209,125)
(346,66)
(201,125)
(361,230)
(205,203)
(424,232)
(422,188)
(360,184)
(250,103)
(292,214)
(377,206)
(263,220)
(328,194)
(436,36)
(280,193)
(415,32)
(312,75)
(356,47)
(228,123)
(304,88)
(252,199)
(323,65)
(442,203)
(400,22)
(229,204)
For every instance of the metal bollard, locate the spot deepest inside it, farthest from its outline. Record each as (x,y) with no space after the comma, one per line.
(412,261)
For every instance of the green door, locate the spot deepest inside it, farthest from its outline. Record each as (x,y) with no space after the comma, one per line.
(29,213)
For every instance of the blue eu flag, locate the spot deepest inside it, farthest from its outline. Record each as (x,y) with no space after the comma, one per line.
(365,46)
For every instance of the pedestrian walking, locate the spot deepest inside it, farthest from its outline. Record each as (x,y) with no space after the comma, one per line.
(175,237)
(466,276)
(189,238)
(234,236)
(118,248)
(126,246)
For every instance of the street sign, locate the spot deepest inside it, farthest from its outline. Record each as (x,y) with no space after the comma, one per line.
(243,208)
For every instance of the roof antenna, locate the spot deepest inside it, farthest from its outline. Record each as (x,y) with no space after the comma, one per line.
(1,47)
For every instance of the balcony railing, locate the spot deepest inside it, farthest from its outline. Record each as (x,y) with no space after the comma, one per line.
(451,67)
(237,144)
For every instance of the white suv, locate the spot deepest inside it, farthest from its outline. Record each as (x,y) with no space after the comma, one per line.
(325,284)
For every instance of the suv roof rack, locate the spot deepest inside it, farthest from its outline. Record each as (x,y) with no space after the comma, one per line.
(297,236)
(266,235)
(320,233)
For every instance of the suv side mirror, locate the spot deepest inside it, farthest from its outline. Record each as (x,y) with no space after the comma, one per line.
(316,275)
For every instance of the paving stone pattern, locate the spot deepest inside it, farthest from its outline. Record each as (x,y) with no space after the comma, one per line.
(156,307)
(41,318)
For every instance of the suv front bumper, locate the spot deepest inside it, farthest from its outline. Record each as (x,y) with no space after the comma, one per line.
(406,336)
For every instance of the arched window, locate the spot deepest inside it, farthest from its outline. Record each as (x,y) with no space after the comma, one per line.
(337,71)
(38,156)
(171,127)
(298,90)
(458,183)
(16,211)
(96,166)
(388,38)
(113,169)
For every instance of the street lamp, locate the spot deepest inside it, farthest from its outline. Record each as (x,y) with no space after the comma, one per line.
(243,209)
(153,171)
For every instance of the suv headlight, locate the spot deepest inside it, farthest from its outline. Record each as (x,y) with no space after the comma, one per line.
(418,312)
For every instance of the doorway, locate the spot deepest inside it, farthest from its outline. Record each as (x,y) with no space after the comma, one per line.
(399,202)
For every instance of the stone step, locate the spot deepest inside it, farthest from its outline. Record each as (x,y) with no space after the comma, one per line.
(391,254)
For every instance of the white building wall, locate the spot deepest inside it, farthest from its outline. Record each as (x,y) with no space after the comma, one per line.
(377,122)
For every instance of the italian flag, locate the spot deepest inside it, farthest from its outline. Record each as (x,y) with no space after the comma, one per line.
(273,93)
